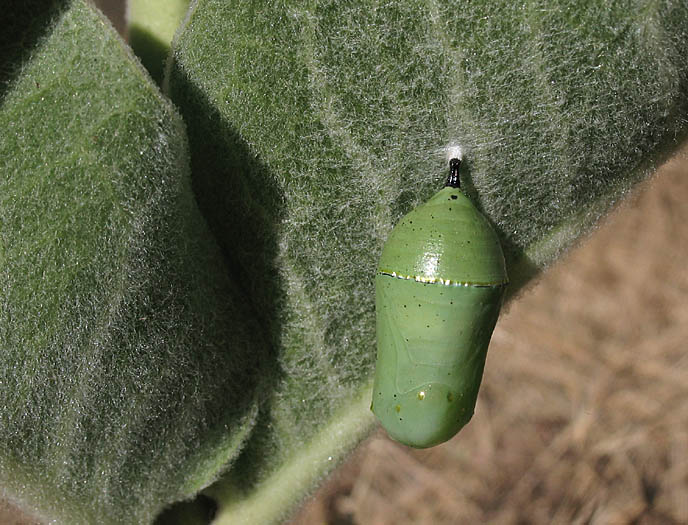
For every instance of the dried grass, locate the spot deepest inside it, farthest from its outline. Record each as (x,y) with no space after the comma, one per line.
(583,412)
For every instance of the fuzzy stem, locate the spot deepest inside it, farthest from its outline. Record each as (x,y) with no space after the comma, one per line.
(151,24)
(282,491)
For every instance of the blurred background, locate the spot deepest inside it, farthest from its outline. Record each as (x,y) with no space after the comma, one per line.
(583,411)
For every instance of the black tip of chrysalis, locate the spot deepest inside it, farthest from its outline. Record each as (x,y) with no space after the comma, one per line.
(453,179)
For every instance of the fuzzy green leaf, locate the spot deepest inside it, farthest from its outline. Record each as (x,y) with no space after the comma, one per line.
(315,125)
(127,358)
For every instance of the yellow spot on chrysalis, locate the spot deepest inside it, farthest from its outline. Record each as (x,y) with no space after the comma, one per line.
(397,408)
(421,395)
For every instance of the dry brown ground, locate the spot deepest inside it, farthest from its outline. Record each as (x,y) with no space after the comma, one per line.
(583,412)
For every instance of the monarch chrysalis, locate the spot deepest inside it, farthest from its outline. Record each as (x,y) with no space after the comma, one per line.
(439,288)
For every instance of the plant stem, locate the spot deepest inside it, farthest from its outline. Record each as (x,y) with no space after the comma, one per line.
(282,491)
(151,25)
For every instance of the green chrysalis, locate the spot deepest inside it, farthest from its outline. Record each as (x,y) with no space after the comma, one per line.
(439,288)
